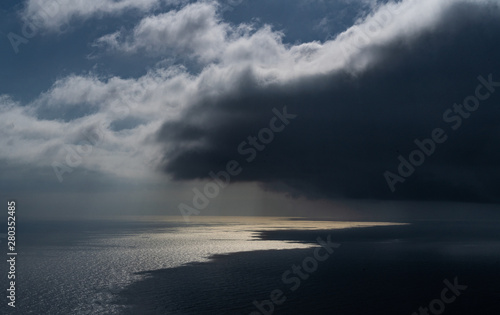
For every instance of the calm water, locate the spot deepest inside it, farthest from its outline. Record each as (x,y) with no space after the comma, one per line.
(81,267)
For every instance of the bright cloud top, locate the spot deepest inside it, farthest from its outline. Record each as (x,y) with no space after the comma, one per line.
(131,112)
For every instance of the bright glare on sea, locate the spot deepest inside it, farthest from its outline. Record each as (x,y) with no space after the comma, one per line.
(76,268)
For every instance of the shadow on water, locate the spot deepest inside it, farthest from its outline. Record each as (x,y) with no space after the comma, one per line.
(376,270)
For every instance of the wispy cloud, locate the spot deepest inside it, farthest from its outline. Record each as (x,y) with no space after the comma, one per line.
(51,15)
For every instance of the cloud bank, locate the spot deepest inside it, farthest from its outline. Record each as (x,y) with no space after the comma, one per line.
(357,112)
(361,99)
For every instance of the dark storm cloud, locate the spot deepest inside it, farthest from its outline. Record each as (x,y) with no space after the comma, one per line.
(351,128)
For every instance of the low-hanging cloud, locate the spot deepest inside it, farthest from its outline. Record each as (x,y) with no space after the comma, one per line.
(357,112)
(360,100)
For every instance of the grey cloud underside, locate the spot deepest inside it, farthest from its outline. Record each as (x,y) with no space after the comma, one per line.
(350,129)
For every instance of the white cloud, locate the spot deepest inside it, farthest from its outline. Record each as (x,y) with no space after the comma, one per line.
(32,138)
(196,30)
(38,133)
(53,15)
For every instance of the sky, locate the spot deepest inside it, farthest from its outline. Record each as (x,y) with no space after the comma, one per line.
(238,107)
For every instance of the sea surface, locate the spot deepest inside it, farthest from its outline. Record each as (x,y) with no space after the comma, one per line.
(230,265)
(79,267)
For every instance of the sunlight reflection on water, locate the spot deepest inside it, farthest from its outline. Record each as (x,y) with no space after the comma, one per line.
(81,277)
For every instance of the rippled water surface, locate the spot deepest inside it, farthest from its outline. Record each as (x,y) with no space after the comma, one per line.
(78,267)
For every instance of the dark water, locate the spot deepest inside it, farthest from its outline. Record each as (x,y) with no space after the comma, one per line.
(376,270)
(168,267)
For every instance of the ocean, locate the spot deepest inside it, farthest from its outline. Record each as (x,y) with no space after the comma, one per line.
(232,265)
